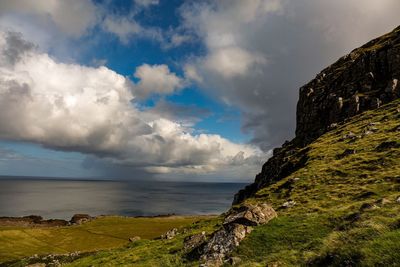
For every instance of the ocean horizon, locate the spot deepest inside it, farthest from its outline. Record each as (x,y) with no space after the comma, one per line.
(61,198)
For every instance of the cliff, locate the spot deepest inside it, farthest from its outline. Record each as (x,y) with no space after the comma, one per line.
(363,80)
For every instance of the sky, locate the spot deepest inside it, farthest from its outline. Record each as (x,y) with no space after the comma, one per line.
(164,90)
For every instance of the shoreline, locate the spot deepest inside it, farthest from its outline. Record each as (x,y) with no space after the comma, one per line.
(37,221)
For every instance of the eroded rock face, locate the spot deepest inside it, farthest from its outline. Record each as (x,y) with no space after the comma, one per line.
(363,80)
(285,161)
(237,224)
(192,242)
(251,215)
(223,242)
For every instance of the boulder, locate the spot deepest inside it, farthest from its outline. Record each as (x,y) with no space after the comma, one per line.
(194,241)
(288,204)
(134,239)
(237,224)
(251,215)
(170,234)
(223,242)
(80,218)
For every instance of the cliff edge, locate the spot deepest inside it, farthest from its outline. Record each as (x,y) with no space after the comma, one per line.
(363,80)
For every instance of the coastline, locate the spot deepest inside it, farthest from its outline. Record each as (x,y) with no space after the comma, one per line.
(37,221)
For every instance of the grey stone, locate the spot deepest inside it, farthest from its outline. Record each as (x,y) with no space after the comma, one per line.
(170,234)
(237,224)
(252,215)
(288,204)
(134,239)
(80,218)
(223,242)
(194,241)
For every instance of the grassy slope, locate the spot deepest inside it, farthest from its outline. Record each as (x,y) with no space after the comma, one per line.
(328,225)
(102,233)
(151,252)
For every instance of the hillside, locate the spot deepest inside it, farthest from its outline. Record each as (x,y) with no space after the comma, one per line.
(365,79)
(345,200)
(330,197)
(344,210)
(103,233)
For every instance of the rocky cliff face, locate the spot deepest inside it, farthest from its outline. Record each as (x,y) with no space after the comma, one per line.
(363,80)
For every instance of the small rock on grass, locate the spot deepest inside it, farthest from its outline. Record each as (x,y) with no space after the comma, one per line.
(288,204)
(134,239)
(170,234)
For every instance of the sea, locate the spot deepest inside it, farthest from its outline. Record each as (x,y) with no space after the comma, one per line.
(62,198)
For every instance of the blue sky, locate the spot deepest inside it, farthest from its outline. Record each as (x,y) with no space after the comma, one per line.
(182,90)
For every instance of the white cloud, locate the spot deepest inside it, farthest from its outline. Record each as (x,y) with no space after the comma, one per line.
(259,52)
(146,3)
(156,79)
(123,27)
(71,107)
(232,61)
(73,17)
(192,74)
(55,24)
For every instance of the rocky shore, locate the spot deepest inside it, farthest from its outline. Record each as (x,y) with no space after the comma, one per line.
(38,221)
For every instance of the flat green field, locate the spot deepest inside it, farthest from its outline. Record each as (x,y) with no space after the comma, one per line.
(100,234)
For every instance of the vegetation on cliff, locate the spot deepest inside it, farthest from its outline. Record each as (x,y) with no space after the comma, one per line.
(345,200)
(341,209)
(336,188)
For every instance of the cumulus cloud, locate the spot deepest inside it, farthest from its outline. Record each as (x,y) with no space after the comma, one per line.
(55,24)
(70,107)
(259,52)
(146,3)
(231,61)
(127,28)
(156,79)
(187,115)
(72,17)
(123,27)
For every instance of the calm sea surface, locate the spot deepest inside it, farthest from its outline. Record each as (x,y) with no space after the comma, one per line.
(63,198)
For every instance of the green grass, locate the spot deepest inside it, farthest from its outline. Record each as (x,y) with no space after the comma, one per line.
(285,240)
(328,227)
(102,233)
(151,252)
(346,213)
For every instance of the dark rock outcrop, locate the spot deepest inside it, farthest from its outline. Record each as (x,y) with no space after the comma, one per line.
(80,218)
(237,224)
(284,162)
(31,221)
(362,80)
(365,79)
